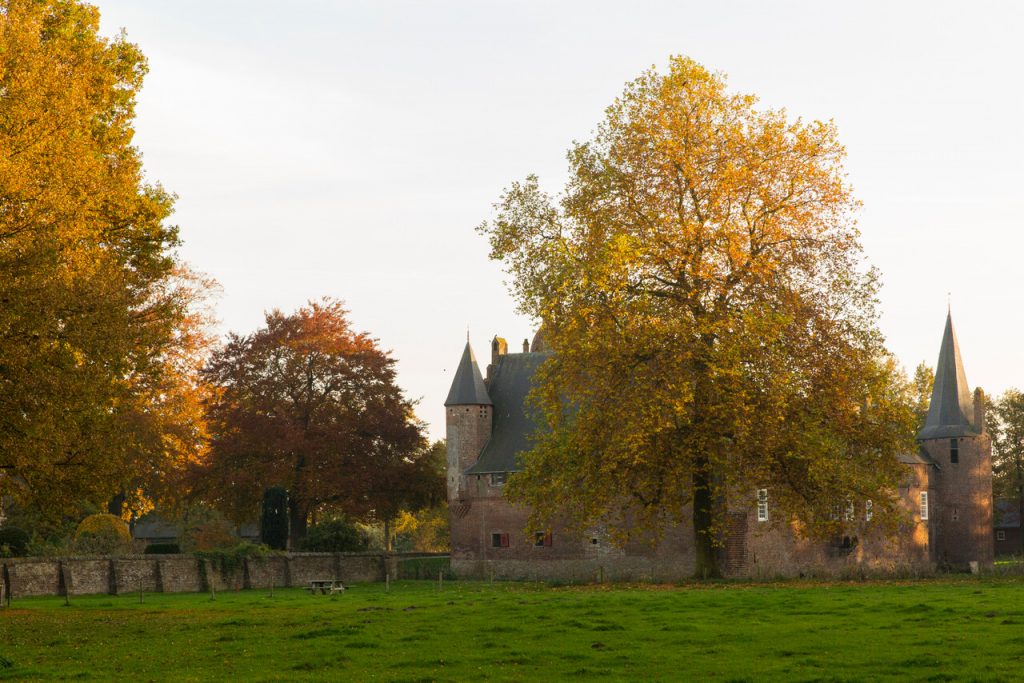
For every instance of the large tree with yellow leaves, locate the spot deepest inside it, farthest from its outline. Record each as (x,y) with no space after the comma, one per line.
(97,329)
(714,326)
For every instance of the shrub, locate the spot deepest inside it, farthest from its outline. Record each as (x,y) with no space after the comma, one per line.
(102,534)
(13,542)
(162,549)
(274,518)
(230,559)
(334,536)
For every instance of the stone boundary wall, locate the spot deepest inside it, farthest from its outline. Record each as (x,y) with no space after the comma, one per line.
(36,576)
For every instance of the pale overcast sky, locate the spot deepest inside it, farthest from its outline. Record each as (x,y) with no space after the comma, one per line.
(350,148)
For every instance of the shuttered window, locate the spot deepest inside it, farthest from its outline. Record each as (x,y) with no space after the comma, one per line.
(762,505)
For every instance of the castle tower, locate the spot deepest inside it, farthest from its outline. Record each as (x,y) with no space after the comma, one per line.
(960,506)
(468,412)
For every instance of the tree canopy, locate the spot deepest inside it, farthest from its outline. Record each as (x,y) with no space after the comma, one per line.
(714,324)
(1005,418)
(309,404)
(96,316)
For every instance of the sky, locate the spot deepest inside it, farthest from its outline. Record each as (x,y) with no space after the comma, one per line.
(350,149)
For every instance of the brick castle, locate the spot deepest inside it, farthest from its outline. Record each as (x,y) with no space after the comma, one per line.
(946,494)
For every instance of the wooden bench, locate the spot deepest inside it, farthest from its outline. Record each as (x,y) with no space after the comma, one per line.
(325,586)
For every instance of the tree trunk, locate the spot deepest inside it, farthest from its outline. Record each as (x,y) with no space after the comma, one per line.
(115,505)
(705,553)
(296,524)
(387,535)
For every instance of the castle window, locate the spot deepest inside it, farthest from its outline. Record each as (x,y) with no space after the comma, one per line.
(848,514)
(499,540)
(1000,535)
(956,514)
(869,511)
(954,451)
(593,540)
(499,478)
(762,505)
(542,539)
(924,505)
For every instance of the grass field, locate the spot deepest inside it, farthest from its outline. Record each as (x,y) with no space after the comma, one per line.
(935,630)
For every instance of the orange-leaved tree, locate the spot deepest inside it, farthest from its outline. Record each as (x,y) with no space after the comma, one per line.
(90,317)
(714,326)
(311,405)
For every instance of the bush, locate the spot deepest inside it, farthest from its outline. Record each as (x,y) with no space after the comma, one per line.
(334,536)
(13,542)
(230,559)
(102,534)
(162,549)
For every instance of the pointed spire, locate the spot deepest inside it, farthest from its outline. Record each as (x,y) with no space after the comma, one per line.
(468,387)
(951,411)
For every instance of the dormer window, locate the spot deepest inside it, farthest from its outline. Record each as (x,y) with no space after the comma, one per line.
(499,478)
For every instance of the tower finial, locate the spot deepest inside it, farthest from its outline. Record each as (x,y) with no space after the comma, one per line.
(949,306)
(467,334)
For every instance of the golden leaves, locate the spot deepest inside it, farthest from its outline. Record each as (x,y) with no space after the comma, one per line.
(701,280)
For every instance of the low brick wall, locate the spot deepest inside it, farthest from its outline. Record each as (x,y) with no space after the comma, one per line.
(34,576)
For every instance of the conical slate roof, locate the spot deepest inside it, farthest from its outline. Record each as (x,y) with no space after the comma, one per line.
(951,411)
(468,387)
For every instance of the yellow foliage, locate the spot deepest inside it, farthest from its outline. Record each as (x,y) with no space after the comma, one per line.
(103,525)
(427,530)
(714,325)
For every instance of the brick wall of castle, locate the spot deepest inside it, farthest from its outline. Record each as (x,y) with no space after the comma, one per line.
(467,430)
(485,513)
(962,509)
(752,548)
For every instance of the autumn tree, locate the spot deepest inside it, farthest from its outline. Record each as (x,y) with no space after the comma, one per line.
(921,387)
(714,326)
(311,405)
(93,315)
(1005,424)
(407,485)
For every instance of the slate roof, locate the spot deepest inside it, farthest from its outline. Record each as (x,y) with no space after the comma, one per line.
(512,426)
(468,387)
(1007,513)
(951,411)
(919,458)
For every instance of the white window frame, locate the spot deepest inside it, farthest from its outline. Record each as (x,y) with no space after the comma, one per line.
(499,478)
(849,513)
(924,506)
(1000,535)
(869,511)
(762,505)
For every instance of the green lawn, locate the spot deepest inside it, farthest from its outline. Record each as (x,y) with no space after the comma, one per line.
(950,629)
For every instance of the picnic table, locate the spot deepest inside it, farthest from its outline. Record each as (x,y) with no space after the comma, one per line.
(325,586)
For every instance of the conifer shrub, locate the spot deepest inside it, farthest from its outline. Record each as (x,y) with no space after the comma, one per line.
(274,518)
